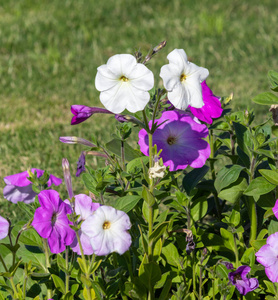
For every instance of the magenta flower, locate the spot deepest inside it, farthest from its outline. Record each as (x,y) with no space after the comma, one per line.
(82,113)
(180,139)
(268,256)
(4,228)
(275,209)
(243,284)
(108,229)
(84,207)
(212,106)
(51,221)
(19,188)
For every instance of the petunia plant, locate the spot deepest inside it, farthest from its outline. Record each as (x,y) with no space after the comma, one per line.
(181,205)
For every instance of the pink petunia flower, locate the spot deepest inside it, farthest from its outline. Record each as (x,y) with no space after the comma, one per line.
(84,207)
(4,228)
(181,141)
(19,189)
(51,221)
(268,257)
(212,106)
(108,229)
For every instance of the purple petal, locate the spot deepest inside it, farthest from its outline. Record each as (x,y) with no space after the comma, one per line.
(212,106)
(19,179)
(42,222)
(19,194)
(54,180)
(82,113)
(180,139)
(84,206)
(4,227)
(81,164)
(50,200)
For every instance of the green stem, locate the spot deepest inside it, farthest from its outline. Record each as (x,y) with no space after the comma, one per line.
(200,283)
(87,274)
(236,251)
(123,155)
(15,296)
(211,162)
(193,271)
(150,221)
(3,263)
(253,219)
(47,263)
(67,270)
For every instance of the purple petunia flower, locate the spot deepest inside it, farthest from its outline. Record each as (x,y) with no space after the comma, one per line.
(268,257)
(180,139)
(4,227)
(84,207)
(243,284)
(82,113)
(108,229)
(212,106)
(19,188)
(51,221)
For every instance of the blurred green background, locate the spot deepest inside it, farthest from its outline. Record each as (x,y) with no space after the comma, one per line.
(50,50)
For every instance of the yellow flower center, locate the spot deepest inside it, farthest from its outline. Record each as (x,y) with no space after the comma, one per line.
(123,78)
(106,225)
(183,77)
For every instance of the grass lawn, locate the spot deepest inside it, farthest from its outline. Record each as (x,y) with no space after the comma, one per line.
(50,50)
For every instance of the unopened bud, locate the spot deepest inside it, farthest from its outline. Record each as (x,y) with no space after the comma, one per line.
(67,176)
(76,140)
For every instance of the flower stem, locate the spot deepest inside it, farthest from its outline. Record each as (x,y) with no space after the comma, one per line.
(211,162)
(236,251)
(47,263)
(150,221)
(67,270)
(87,274)
(123,154)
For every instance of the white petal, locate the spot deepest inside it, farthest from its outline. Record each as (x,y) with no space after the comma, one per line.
(194,89)
(105,79)
(179,97)
(121,64)
(142,78)
(170,75)
(199,73)
(178,57)
(124,96)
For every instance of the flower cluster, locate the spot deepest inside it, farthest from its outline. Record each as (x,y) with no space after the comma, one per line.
(104,229)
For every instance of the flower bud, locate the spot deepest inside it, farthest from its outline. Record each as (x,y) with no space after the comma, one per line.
(75,140)
(67,176)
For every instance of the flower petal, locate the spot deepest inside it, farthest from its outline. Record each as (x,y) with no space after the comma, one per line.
(142,78)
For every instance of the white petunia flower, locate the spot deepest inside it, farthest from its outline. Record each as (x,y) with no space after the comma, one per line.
(124,84)
(182,79)
(108,229)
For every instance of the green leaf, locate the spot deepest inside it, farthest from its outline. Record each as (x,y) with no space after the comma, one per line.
(30,237)
(259,186)
(34,254)
(243,137)
(171,255)
(90,184)
(115,147)
(272,227)
(226,176)
(257,244)
(166,289)
(266,98)
(126,203)
(59,283)
(270,175)
(192,178)
(149,274)
(273,79)
(233,192)
(136,163)
(158,232)
(199,208)
(228,239)
(148,196)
